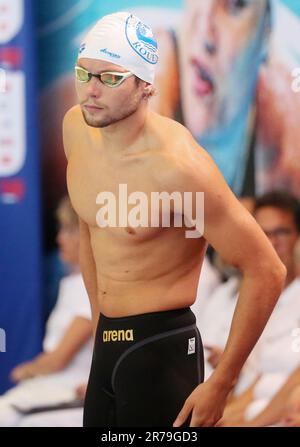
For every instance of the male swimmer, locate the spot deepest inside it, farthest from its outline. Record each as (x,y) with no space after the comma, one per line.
(147,367)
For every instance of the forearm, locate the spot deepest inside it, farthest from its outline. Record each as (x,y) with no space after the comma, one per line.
(274,411)
(76,335)
(258,295)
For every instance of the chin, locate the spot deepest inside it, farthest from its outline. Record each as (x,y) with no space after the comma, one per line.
(94,123)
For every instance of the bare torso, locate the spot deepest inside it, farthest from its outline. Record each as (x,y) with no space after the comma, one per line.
(139,269)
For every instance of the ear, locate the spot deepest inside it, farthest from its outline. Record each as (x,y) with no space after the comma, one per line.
(147,90)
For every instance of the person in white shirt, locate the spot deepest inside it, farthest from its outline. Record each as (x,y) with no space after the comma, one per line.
(209,280)
(278,213)
(51,378)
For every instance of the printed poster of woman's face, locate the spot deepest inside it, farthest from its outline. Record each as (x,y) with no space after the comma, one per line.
(225,73)
(228,71)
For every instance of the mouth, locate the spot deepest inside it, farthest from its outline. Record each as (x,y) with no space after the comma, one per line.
(203,82)
(92,108)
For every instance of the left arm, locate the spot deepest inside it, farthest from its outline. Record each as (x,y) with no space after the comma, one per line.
(233,232)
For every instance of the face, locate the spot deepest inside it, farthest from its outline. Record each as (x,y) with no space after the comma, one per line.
(281,229)
(217,46)
(68,243)
(101,105)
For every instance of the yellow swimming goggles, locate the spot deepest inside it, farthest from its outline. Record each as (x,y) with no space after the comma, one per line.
(111,79)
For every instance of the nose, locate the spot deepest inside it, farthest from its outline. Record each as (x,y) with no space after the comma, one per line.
(210,47)
(207,26)
(94,87)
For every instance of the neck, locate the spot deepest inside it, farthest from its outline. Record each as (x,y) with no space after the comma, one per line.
(123,135)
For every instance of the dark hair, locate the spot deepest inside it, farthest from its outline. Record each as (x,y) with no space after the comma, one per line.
(283,200)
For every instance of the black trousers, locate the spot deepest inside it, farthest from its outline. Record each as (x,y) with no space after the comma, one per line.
(143,369)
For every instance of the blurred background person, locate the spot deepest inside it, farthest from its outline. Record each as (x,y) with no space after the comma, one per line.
(284,408)
(51,378)
(278,213)
(69,417)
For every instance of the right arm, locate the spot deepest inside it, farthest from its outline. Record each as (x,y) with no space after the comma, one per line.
(88,270)
(86,258)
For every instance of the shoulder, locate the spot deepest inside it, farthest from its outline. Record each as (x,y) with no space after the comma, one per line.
(186,160)
(72,116)
(73,113)
(188,167)
(180,143)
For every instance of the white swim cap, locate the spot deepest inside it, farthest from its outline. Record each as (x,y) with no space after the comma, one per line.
(122,39)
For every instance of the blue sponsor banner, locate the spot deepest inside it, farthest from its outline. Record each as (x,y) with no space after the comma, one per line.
(20,238)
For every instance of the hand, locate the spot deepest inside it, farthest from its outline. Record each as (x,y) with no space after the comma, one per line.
(22,371)
(215,354)
(206,403)
(45,363)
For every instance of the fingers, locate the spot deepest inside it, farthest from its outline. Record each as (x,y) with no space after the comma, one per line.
(195,422)
(183,415)
(209,422)
(17,373)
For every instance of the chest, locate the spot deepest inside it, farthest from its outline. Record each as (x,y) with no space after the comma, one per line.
(117,197)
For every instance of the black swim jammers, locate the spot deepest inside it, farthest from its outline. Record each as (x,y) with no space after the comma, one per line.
(143,369)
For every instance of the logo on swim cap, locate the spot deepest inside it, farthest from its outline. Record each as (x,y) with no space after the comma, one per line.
(141,39)
(105,51)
